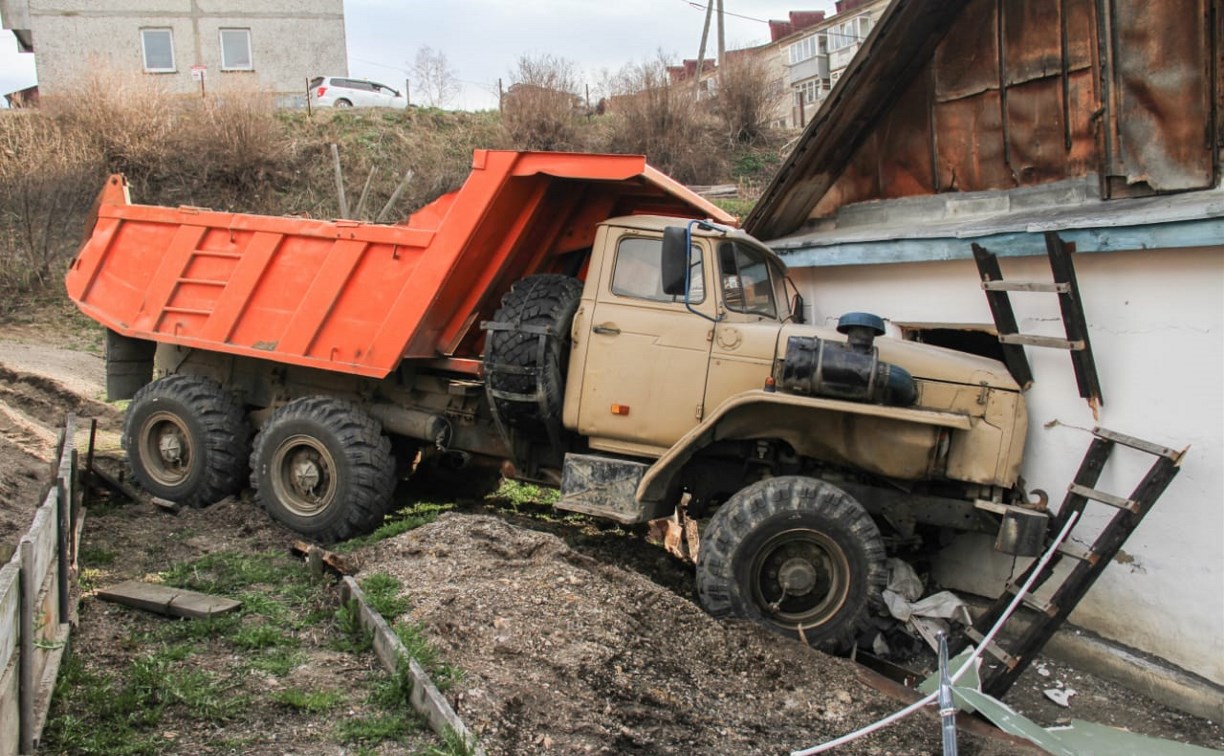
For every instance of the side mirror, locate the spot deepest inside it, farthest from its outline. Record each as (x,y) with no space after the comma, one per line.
(674,264)
(797,315)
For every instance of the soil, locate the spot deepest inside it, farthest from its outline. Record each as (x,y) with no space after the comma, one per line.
(572,636)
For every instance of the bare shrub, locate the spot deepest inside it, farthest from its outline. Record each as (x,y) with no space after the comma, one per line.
(652,116)
(233,140)
(542,109)
(746,96)
(49,178)
(128,121)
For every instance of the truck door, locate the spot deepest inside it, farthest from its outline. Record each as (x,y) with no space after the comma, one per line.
(643,385)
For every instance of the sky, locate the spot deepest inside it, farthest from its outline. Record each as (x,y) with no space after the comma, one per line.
(483,39)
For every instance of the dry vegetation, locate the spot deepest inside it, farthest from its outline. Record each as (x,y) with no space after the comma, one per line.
(237,152)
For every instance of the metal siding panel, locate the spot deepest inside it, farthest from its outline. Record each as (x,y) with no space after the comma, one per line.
(1035,131)
(970,149)
(966,61)
(1162,61)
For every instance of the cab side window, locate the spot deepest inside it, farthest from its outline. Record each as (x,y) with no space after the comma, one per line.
(638,272)
(745,280)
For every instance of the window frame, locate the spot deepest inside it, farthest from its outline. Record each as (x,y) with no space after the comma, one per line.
(250,53)
(771,278)
(144,49)
(697,277)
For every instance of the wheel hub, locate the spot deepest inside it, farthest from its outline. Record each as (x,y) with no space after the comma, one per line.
(170,446)
(797,577)
(800,578)
(164,448)
(305,474)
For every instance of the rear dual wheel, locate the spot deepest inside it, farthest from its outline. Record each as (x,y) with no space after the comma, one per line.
(187,440)
(323,468)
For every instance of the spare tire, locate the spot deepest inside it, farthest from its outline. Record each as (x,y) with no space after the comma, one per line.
(527,349)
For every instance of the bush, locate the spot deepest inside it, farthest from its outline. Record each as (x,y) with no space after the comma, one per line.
(664,121)
(542,110)
(746,96)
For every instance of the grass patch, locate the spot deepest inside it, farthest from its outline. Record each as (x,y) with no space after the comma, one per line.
(98,557)
(408,518)
(312,701)
(279,661)
(256,637)
(426,654)
(375,728)
(382,594)
(519,494)
(354,638)
(227,573)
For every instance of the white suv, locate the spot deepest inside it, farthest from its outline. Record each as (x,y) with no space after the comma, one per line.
(338,92)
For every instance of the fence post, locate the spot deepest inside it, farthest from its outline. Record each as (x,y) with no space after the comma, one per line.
(25,662)
(62,497)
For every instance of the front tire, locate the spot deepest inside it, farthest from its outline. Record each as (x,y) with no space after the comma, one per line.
(323,468)
(798,555)
(187,440)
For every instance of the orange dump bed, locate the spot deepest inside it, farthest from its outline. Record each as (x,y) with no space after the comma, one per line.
(357,297)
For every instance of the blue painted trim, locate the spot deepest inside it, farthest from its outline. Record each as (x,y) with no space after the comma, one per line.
(1207,232)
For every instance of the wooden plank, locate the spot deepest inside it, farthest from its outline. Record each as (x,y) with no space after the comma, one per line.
(46,682)
(42,538)
(1047,288)
(174,602)
(116,485)
(10,600)
(9,725)
(25,658)
(1050,342)
(425,696)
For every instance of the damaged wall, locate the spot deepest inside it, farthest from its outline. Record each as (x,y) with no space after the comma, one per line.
(1157,332)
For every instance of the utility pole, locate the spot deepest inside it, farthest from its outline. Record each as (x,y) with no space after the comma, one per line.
(722,42)
(705,36)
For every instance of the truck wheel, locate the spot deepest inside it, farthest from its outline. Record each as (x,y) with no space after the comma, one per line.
(545,300)
(323,468)
(187,440)
(796,554)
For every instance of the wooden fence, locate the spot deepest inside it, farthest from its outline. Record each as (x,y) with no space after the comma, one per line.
(36,605)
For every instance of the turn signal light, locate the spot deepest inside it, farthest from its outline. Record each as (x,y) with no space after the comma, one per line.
(620,409)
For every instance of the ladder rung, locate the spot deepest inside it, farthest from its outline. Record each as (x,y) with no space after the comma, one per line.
(1136,443)
(1104,498)
(992,648)
(1049,288)
(1034,603)
(1076,551)
(1041,341)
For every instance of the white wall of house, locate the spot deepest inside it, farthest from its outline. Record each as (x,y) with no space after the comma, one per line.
(290,40)
(1156,322)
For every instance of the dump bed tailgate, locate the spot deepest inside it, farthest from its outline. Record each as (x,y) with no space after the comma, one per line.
(356,297)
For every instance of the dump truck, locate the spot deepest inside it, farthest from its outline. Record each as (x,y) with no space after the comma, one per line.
(581,321)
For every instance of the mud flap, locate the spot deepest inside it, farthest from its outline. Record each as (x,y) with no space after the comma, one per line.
(605,487)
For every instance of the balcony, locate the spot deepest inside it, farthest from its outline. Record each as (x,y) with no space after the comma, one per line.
(814,66)
(839,59)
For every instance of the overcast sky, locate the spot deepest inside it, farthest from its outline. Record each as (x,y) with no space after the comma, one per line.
(484,38)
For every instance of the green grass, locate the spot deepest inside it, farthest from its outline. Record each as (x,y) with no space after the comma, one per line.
(382,594)
(519,494)
(408,518)
(376,728)
(279,661)
(311,701)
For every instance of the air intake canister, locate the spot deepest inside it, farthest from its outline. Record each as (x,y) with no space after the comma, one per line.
(853,372)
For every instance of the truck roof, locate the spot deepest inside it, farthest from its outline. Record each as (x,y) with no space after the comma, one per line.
(357,297)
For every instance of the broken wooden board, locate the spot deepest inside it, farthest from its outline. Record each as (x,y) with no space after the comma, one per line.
(174,602)
(341,564)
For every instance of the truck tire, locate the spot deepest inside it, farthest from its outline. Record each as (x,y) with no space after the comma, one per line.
(800,533)
(323,468)
(549,301)
(187,440)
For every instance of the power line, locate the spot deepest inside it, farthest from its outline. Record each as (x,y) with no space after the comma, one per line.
(702,8)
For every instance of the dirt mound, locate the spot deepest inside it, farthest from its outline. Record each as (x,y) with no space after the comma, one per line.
(565,654)
(48,400)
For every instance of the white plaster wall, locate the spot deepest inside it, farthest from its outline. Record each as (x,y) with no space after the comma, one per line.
(291,40)
(1156,322)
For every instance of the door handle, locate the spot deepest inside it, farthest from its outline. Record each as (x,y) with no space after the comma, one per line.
(606,330)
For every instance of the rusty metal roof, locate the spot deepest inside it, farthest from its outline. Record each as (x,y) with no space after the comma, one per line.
(981,95)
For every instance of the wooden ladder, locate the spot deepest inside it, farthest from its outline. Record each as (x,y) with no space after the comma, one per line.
(1089,562)
(1070,302)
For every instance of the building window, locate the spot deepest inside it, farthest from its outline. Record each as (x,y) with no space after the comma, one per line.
(807,48)
(236,50)
(158,48)
(811,90)
(843,35)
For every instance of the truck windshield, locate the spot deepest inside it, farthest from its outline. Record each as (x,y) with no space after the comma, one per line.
(746,283)
(639,272)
